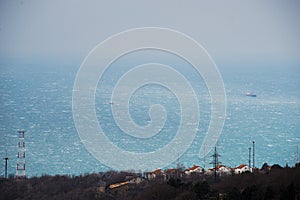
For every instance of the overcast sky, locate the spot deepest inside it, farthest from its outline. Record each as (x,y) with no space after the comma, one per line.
(231,31)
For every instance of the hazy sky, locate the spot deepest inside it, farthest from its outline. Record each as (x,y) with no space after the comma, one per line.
(231,31)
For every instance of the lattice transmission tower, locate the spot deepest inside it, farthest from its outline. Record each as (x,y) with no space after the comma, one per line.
(21,160)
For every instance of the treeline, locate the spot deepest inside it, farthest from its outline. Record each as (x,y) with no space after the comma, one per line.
(278,183)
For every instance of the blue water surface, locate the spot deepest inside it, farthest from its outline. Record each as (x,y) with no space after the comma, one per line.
(39,100)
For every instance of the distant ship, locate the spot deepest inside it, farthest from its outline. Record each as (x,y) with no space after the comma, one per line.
(250,94)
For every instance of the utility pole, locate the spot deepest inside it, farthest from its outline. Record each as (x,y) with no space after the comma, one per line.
(253,154)
(215,162)
(296,155)
(178,166)
(6,158)
(204,161)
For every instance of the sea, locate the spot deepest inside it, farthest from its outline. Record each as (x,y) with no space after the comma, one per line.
(38,99)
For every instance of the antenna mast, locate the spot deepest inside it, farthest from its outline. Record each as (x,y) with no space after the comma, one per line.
(250,157)
(6,158)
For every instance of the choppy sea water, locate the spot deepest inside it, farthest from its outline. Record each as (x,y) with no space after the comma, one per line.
(39,100)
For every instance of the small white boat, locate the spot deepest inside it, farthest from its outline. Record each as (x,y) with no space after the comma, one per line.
(250,94)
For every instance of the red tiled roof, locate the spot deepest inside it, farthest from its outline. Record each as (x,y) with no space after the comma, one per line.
(193,168)
(156,171)
(241,166)
(169,171)
(219,166)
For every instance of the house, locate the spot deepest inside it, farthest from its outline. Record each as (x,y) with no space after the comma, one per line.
(134,179)
(222,169)
(209,171)
(155,174)
(242,168)
(194,169)
(169,173)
